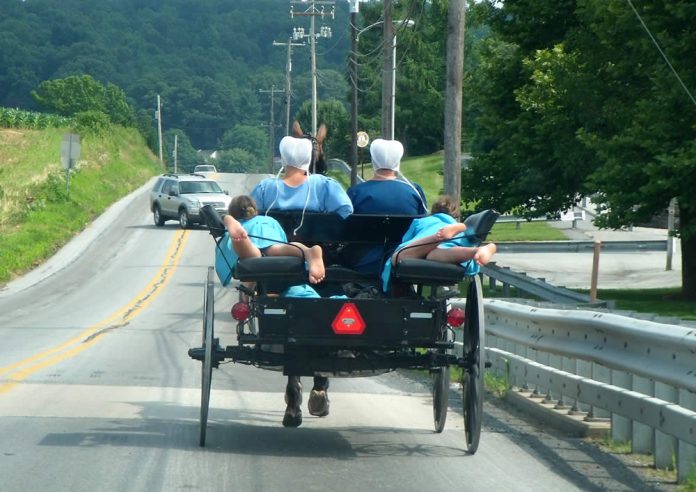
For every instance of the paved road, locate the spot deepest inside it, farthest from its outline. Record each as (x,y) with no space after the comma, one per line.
(617,270)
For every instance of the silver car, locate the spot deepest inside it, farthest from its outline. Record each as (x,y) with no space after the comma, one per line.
(180,197)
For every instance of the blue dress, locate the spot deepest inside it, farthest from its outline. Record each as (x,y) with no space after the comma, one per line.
(260,225)
(382,197)
(319,194)
(427,226)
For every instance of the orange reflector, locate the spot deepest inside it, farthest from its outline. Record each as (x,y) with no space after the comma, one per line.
(348,321)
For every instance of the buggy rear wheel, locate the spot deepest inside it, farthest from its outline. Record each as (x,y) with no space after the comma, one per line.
(441,397)
(472,374)
(208,343)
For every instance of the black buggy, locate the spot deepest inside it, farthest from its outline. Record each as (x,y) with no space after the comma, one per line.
(412,328)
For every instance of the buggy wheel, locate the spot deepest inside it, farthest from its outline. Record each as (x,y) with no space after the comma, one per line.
(472,382)
(441,397)
(208,342)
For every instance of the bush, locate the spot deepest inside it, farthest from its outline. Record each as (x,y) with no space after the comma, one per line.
(92,123)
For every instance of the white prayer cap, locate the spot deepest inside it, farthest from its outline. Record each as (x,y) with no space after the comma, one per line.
(296,152)
(386,154)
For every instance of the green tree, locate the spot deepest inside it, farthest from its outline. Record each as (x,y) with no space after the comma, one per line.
(239,161)
(187,157)
(575,99)
(253,139)
(81,93)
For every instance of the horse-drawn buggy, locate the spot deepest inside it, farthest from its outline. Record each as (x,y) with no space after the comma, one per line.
(351,327)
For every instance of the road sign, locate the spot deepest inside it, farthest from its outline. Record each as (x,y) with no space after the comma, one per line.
(69,150)
(363,139)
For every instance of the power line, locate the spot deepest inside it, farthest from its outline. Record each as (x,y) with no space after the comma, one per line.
(630,3)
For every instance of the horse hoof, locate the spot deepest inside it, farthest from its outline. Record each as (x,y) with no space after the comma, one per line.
(293,417)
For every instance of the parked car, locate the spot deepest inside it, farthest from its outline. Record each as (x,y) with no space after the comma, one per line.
(205,169)
(180,197)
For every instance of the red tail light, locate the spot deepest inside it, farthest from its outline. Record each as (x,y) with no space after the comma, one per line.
(455,317)
(241,311)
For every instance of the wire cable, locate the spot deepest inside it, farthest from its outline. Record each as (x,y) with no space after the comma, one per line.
(688,92)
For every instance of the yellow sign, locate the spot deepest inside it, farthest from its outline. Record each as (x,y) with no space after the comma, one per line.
(363,139)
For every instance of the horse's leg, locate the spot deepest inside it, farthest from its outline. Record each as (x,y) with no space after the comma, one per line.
(319,398)
(293,399)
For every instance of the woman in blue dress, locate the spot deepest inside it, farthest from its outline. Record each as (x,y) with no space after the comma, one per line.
(297,189)
(440,237)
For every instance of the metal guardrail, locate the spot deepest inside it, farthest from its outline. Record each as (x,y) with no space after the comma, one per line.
(533,286)
(637,374)
(580,246)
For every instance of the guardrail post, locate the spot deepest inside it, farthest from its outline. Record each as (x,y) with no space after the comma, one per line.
(686,453)
(665,445)
(643,440)
(584,369)
(603,374)
(567,365)
(621,427)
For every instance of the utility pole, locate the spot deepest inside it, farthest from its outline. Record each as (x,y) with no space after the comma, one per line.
(325,32)
(175,153)
(456,22)
(388,63)
(288,80)
(158,115)
(272,125)
(354,9)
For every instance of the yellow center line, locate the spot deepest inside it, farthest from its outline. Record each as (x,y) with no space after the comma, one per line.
(88,337)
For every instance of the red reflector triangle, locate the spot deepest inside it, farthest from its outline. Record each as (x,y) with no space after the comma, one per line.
(348,321)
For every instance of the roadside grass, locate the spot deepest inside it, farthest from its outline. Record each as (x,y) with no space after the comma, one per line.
(663,302)
(38,216)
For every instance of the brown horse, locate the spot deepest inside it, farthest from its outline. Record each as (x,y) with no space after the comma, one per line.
(318,165)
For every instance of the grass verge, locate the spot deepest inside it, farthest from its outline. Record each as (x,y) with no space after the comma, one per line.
(39,215)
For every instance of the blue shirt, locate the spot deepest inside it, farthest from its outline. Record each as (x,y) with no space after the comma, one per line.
(319,194)
(390,196)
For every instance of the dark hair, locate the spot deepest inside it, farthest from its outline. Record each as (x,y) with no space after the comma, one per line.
(242,207)
(446,204)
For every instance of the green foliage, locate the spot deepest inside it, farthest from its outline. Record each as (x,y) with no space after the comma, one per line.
(17,118)
(252,139)
(207,59)
(240,161)
(91,123)
(572,99)
(187,157)
(79,94)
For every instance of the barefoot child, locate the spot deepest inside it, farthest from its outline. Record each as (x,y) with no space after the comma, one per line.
(423,236)
(243,220)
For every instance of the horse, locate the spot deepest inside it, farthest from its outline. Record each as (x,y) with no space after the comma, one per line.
(318,165)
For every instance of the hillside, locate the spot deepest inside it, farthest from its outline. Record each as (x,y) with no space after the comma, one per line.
(37,214)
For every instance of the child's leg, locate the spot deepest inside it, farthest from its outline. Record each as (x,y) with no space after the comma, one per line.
(313,256)
(241,243)
(421,247)
(457,254)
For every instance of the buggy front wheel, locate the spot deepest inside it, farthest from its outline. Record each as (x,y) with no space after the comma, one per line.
(472,374)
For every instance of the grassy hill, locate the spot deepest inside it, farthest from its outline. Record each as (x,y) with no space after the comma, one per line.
(37,214)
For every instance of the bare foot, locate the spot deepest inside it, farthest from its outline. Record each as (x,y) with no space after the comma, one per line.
(316,264)
(235,229)
(484,253)
(450,230)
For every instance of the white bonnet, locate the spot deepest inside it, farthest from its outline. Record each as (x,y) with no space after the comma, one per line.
(386,154)
(296,152)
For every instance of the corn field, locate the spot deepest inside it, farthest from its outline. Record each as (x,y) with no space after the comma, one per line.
(18,118)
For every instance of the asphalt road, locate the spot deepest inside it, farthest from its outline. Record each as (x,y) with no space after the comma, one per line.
(97,392)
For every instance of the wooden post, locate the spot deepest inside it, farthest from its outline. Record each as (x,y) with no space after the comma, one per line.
(595,271)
